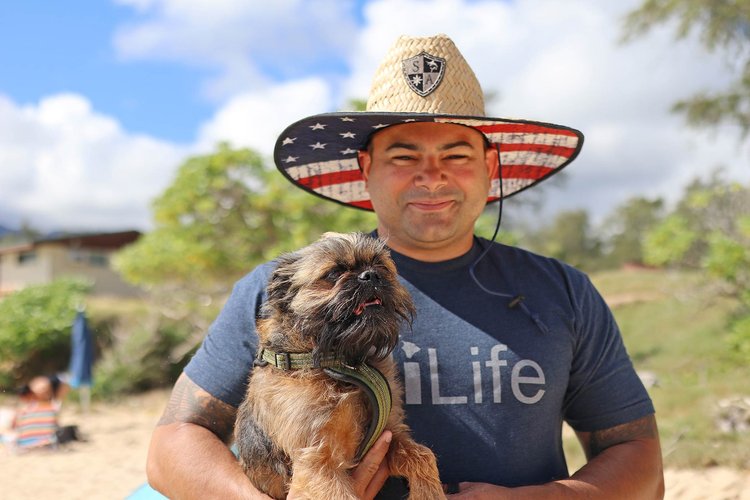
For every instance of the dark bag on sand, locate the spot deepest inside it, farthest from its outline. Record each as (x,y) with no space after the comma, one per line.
(68,433)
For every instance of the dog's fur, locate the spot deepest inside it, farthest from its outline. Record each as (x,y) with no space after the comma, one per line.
(302,428)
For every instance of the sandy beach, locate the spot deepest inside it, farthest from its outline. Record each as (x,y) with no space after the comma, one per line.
(110,465)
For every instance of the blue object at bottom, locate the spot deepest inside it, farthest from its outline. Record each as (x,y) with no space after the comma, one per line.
(145,492)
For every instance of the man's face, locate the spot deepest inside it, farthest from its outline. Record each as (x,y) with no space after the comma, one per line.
(428,183)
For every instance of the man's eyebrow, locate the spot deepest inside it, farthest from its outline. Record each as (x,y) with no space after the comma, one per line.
(456,144)
(402,145)
(414,147)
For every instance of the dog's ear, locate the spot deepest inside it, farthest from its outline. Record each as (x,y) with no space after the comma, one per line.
(281,279)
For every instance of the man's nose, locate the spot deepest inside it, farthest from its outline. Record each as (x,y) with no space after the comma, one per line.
(430,174)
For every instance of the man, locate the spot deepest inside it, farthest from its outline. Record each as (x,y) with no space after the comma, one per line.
(506,344)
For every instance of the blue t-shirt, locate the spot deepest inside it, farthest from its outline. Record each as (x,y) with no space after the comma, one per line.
(490,373)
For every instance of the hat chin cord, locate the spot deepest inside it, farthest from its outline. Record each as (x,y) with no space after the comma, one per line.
(516,300)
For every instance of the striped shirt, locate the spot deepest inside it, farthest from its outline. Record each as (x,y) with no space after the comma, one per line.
(35,425)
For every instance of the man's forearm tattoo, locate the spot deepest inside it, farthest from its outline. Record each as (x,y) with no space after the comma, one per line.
(191,404)
(643,428)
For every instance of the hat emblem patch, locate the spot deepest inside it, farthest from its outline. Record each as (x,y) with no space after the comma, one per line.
(423,72)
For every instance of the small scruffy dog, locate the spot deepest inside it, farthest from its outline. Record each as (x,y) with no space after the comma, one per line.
(334,308)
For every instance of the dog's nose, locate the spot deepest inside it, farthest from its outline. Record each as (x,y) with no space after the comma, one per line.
(370,276)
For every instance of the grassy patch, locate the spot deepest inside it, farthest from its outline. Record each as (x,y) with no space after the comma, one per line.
(674,325)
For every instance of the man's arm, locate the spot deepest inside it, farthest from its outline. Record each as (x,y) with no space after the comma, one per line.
(188,456)
(623,462)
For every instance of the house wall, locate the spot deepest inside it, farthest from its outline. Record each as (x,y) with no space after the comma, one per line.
(55,261)
(16,273)
(92,264)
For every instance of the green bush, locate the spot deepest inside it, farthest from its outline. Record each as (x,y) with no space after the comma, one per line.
(35,326)
(740,335)
(143,356)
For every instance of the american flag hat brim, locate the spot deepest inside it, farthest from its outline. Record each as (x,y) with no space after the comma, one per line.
(421,80)
(319,153)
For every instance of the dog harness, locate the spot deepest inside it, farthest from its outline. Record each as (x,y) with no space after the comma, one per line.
(364,376)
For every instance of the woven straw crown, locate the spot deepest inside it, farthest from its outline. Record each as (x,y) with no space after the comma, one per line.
(458,93)
(422,79)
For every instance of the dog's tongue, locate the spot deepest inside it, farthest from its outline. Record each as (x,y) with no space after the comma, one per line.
(361,308)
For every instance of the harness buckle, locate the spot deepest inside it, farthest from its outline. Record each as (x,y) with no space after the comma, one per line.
(285,363)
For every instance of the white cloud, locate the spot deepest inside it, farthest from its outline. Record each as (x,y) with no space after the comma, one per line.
(248,45)
(65,166)
(255,119)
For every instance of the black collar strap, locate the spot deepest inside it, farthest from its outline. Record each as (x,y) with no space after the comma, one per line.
(364,376)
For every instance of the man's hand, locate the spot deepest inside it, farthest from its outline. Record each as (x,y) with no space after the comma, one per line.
(372,472)
(479,491)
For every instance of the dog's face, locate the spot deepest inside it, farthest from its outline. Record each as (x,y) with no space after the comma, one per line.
(338,296)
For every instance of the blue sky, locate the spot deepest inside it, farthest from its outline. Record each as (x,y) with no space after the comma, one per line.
(100,101)
(51,47)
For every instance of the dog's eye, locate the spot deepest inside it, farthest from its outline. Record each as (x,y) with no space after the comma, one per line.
(334,274)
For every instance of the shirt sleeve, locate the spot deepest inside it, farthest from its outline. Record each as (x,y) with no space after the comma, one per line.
(222,364)
(604,389)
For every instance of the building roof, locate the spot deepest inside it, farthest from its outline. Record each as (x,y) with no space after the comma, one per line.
(99,241)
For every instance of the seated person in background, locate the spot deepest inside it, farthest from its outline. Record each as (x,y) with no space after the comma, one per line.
(35,423)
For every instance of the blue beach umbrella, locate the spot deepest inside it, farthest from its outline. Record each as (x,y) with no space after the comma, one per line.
(82,352)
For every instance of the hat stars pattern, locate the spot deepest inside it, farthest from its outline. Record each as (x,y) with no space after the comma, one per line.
(319,153)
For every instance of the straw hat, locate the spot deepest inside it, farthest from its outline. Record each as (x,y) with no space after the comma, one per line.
(423,79)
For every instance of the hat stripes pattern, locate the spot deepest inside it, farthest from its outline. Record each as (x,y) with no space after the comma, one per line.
(320,155)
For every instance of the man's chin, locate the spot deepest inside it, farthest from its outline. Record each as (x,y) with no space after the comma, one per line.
(431,235)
